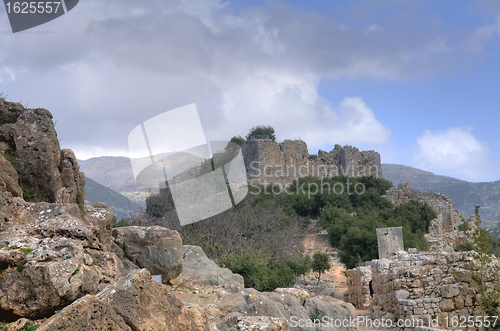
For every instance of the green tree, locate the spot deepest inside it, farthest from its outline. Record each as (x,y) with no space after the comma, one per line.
(320,263)
(262,130)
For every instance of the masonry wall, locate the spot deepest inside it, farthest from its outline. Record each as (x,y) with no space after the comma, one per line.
(448,218)
(390,241)
(268,162)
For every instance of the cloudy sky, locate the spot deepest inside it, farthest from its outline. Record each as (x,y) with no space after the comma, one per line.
(418,81)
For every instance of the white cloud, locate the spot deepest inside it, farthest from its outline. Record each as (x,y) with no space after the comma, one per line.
(455,151)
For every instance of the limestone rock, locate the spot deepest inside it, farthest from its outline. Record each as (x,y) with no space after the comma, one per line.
(449,291)
(49,264)
(290,306)
(249,302)
(9,180)
(300,295)
(87,313)
(46,173)
(100,218)
(261,323)
(139,299)
(198,268)
(155,248)
(333,308)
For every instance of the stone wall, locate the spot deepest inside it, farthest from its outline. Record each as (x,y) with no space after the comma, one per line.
(268,162)
(358,287)
(390,241)
(448,218)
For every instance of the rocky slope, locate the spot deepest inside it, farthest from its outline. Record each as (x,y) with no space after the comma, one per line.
(63,267)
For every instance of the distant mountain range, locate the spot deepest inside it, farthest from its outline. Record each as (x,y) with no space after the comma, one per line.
(120,205)
(464,194)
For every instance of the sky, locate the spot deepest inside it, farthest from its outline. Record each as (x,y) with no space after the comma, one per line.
(417,81)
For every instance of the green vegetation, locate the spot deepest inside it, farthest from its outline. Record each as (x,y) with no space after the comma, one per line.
(13,247)
(20,267)
(9,157)
(96,260)
(122,222)
(29,326)
(26,250)
(320,263)
(315,318)
(77,270)
(261,237)
(28,194)
(260,131)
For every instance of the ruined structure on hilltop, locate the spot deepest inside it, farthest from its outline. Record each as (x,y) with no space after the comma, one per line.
(448,218)
(267,161)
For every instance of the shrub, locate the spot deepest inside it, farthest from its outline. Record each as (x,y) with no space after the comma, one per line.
(9,157)
(261,130)
(26,250)
(20,267)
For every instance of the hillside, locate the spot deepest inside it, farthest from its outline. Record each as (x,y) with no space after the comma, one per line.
(464,194)
(115,172)
(121,206)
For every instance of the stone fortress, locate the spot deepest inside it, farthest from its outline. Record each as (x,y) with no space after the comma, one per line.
(268,161)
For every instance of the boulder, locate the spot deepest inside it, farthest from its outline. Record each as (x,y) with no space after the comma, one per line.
(290,306)
(100,218)
(9,111)
(334,309)
(198,268)
(145,304)
(248,302)
(157,249)
(299,294)
(87,313)
(49,264)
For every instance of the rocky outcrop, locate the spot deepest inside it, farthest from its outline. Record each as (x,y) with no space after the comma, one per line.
(261,323)
(46,173)
(199,269)
(49,264)
(87,313)
(157,249)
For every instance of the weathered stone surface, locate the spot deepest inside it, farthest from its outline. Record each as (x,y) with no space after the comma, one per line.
(249,302)
(446,305)
(198,268)
(260,323)
(146,304)
(46,173)
(449,291)
(61,260)
(100,218)
(9,180)
(157,249)
(299,294)
(87,313)
(290,306)
(333,308)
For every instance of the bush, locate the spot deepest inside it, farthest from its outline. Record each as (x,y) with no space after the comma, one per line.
(261,130)
(320,263)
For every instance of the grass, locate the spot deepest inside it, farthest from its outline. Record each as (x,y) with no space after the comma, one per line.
(77,270)
(10,157)
(27,250)
(2,270)
(20,267)
(13,247)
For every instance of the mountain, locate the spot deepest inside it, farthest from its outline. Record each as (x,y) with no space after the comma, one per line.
(464,194)
(115,172)
(120,205)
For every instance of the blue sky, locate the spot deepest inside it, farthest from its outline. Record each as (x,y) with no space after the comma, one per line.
(417,81)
